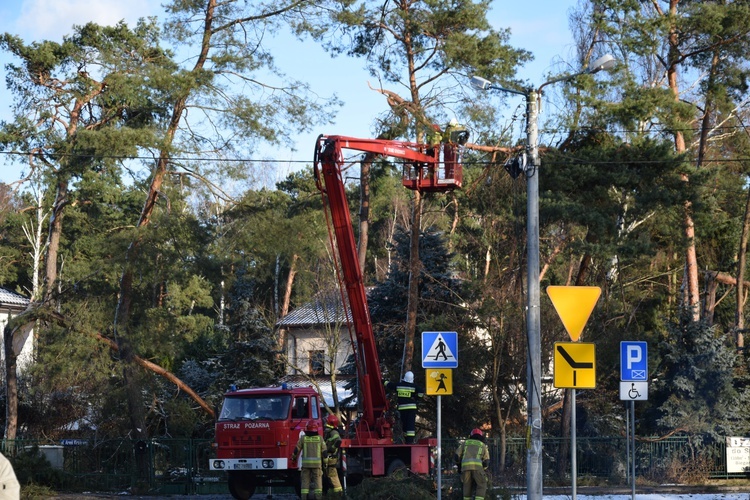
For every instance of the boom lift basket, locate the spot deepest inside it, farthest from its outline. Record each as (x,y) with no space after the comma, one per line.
(444,173)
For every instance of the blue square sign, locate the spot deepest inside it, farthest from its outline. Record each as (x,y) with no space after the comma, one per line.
(439,350)
(633,361)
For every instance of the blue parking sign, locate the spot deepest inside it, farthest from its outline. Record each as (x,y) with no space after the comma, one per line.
(633,361)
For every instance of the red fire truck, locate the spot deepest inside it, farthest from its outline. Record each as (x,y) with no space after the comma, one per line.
(258,429)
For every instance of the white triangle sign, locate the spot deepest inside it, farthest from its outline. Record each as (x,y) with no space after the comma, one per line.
(440,351)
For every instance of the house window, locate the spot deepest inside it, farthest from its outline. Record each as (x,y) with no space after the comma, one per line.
(317,363)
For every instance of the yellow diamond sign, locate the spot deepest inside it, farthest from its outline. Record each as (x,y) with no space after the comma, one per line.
(574,305)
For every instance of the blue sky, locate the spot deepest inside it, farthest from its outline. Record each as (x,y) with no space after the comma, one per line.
(539,26)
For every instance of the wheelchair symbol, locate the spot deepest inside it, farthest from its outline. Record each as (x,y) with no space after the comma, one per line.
(633,393)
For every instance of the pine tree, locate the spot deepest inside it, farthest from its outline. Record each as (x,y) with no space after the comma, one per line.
(422,46)
(697,390)
(443,308)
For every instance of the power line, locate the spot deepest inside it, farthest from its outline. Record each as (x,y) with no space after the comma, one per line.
(153,158)
(565,161)
(649,131)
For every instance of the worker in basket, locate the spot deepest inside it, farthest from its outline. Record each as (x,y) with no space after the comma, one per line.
(473,458)
(407,393)
(310,446)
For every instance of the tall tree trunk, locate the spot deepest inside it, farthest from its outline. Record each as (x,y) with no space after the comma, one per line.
(364,211)
(739,315)
(11,388)
(53,237)
(711,286)
(487,262)
(415,268)
(289,286)
(281,340)
(48,293)
(455,219)
(691,287)
(122,315)
(15,339)
(364,197)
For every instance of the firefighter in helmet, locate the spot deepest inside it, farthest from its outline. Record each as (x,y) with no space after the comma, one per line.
(311,447)
(473,458)
(332,451)
(407,393)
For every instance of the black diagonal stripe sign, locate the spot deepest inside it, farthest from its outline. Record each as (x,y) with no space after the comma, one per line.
(575,365)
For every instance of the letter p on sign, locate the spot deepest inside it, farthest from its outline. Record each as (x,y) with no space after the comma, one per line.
(634,356)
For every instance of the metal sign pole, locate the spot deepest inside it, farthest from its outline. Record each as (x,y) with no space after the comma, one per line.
(439,449)
(573,452)
(632,435)
(627,444)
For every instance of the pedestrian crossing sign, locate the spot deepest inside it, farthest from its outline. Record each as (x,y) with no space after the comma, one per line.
(438,381)
(439,350)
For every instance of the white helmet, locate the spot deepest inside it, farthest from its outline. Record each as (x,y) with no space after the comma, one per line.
(409,377)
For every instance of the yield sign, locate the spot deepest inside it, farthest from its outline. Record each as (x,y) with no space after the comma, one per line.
(574,305)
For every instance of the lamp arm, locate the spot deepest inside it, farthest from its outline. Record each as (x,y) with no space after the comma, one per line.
(561,79)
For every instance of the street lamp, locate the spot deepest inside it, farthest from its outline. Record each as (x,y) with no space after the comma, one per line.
(533,330)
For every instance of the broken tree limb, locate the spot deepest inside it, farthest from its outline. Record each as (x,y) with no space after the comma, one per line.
(20,322)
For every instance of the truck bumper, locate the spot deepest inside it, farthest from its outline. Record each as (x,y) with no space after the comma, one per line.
(263,464)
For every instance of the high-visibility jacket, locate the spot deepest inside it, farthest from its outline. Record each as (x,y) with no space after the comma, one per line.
(333,441)
(312,451)
(472,453)
(407,393)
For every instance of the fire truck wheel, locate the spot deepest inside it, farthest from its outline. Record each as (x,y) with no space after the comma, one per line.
(397,468)
(240,486)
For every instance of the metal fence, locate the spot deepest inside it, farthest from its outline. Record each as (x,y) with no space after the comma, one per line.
(180,466)
(604,461)
(156,466)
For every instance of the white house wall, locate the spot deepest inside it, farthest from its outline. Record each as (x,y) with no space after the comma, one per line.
(301,342)
(26,356)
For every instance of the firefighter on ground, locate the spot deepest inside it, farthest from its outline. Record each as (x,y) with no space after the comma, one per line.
(473,458)
(407,393)
(331,454)
(310,446)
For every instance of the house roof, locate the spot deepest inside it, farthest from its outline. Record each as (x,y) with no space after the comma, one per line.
(324,309)
(320,311)
(12,300)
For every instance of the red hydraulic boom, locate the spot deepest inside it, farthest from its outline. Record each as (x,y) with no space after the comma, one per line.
(432,168)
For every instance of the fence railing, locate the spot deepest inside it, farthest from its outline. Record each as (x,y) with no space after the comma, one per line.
(180,466)
(164,466)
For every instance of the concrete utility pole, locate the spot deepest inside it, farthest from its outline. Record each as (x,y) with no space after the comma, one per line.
(534,477)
